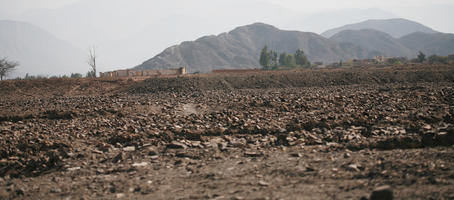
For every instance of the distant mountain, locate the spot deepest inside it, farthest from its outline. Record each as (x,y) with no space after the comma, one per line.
(374,41)
(128,32)
(240,49)
(38,51)
(394,27)
(435,43)
(319,22)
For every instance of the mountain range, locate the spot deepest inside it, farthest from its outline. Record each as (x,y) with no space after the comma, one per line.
(38,51)
(240,48)
(396,27)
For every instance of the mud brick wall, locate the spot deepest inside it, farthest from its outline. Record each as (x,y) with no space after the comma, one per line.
(134,73)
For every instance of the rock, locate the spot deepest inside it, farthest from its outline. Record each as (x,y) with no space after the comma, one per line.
(382,193)
(73,169)
(56,190)
(142,164)
(263,183)
(119,157)
(347,155)
(296,155)
(176,145)
(427,127)
(195,144)
(253,154)
(353,167)
(152,151)
(129,149)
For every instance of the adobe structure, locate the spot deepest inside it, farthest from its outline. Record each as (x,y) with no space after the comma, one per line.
(137,73)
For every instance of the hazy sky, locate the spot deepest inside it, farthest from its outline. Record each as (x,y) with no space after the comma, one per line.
(128,32)
(19,6)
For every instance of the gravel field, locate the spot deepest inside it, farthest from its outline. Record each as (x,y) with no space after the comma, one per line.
(316,134)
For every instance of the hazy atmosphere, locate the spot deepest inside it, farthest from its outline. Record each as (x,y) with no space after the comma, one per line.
(127,33)
(227,99)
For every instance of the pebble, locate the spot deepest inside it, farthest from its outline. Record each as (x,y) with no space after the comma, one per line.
(73,169)
(176,145)
(142,164)
(129,149)
(382,193)
(353,167)
(263,183)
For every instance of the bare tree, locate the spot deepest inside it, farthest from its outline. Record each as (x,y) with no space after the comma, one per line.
(92,56)
(6,67)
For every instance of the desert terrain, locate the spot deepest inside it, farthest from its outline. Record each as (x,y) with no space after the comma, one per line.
(310,134)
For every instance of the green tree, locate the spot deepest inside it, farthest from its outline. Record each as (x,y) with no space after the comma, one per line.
(290,61)
(451,58)
(274,61)
(283,59)
(76,75)
(437,59)
(265,58)
(421,57)
(301,59)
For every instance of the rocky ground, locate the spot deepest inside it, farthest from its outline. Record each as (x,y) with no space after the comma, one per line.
(279,138)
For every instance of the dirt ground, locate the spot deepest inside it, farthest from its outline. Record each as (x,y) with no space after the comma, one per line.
(315,134)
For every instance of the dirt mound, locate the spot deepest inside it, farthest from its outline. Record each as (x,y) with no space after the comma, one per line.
(288,79)
(61,87)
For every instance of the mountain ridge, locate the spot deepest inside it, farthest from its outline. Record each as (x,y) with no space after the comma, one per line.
(38,51)
(396,27)
(374,40)
(240,48)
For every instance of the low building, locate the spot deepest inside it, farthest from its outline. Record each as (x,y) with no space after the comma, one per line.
(380,59)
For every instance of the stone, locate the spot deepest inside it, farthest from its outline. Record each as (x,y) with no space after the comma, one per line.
(296,155)
(176,145)
(252,154)
(427,127)
(382,193)
(142,164)
(129,149)
(152,151)
(119,157)
(347,155)
(263,183)
(353,167)
(73,168)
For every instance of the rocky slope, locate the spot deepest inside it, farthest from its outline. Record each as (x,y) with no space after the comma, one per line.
(436,43)
(380,43)
(240,48)
(374,41)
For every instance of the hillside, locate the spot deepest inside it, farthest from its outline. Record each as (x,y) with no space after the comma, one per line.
(38,51)
(436,43)
(240,48)
(373,40)
(394,27)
